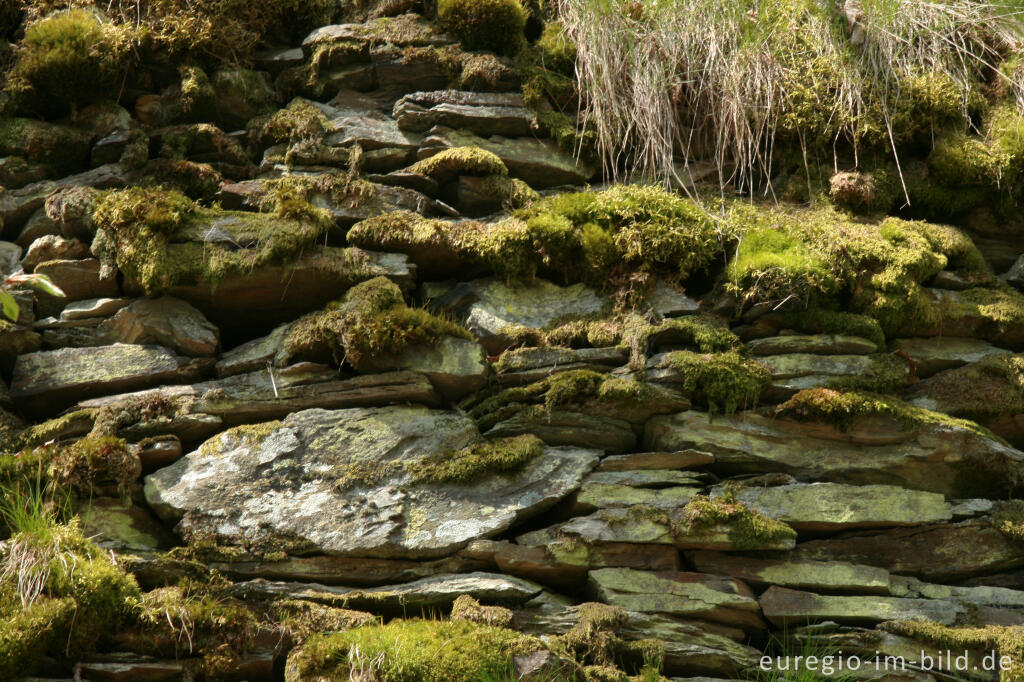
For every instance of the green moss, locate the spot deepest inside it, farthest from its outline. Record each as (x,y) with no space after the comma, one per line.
(558,52)
(198,98)
(886,373)
(747,529)
(300,120)
(593,641)
(983,390)
(1007,640)
(67,60)
(371,323)
(1009,519)
(586,234)
(252,434)
(468,609)
(302,619)
(448,164)
(153,236)
(192,619)
(821,321)
(725,381)
(64,149)
(495,25)
(866,192)
(503,455)
(841,409)
(817,256)
(95,463)
(82,600)
(414,650)
(1001,306)
(196,180)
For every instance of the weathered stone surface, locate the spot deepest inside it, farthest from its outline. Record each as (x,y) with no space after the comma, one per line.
(963,317)
(302,503)
(371,132)
(816,344)
(935,354)
(819,576)
(690,648)
(166,321)
(539,163)
(690,595)
(526,365)
(455,366)
(142,670)
(259,396)
(610,495)
(123,527)
(351,571)
(488,306)
(643,525)
(835,506)
(564,564)
(435,592)
(683,459)
(17,206)
(92,308)
(564,427)
(783,606)
(271,295)
(48,380)
(666,300)
(940,552)
(794,372)
(482,113)
(938,457)
(78,279)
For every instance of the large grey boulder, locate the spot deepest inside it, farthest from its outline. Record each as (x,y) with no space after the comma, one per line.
(343,483)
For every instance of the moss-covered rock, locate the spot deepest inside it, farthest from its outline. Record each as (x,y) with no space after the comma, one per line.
(60,148)
(60,597)
(495,25)
(412,651)
(67,60)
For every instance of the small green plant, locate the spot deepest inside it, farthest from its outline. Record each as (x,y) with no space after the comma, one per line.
(41,283)
(495,25)
(792,651)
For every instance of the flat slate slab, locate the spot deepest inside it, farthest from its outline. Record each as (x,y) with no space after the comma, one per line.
(47,381)
(338,482)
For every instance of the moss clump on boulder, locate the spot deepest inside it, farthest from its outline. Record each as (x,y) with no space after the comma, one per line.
(822,321)
(503,455)
(300,120)
(79,600)
(495,25)
(413,650)
(468,609)
(843,408)
(747,529)
(66,61)
(155,236)
(61,148)
(372,324)
(1007,640)
(815,256)
(448,164)
(634,227)
(725,381)
(192,618)
(983,390)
